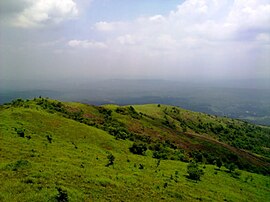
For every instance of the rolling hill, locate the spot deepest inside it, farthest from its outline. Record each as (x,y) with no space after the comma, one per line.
(56,151)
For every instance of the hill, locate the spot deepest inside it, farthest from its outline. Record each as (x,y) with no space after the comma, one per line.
(52,151)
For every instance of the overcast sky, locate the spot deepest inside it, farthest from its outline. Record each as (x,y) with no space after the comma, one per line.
(163,39)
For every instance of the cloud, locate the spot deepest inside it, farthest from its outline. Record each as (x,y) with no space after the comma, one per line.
(218,37)
(157,18)
(104,26)
(128,40)
(87,44)
(199,38)
(38,13)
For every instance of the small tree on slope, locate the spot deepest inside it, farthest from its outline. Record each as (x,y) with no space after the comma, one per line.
(194,172)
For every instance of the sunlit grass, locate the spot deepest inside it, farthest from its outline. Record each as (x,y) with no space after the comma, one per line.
(33,168)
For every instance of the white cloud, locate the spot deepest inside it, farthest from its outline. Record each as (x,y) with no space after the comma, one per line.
(201,34)
(128,40)
(157,18)
(87,44)
(200,37)
(109,26)
(104,26)
(250,15)
(38,13)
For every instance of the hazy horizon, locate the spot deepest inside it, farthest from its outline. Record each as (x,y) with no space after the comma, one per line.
(107,39)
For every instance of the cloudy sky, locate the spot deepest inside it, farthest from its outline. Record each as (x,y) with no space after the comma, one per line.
(80,39)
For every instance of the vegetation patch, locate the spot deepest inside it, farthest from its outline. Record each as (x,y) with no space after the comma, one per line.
(79,152)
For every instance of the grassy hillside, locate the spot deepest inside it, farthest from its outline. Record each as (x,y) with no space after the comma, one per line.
(53,151)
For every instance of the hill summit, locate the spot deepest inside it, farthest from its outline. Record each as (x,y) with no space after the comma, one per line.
(59,151)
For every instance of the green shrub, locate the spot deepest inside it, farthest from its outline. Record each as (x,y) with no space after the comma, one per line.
(17,103)
(161,154)
(230,166)
(194,172)
(62,195)
(141,166)
(236,174)
(49,138)
(219,163)
(20,132)
(111,159)
(20,164)
(138,148)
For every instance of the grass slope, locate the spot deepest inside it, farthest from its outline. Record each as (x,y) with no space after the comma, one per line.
(59,156)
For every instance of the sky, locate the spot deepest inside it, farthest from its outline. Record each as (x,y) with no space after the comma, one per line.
(153,39)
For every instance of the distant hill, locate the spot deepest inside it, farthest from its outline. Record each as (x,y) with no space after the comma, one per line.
(246,100)
(59,151)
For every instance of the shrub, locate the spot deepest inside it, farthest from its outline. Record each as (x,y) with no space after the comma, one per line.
(249,178)
(111,159)
(230,166)
(121,135)
(236,174)
(133,112)
(17,103)
(161,154)
(20,164)
(197,155)
(141,166)
(49,138)
(20,132)
(219,163)
(158,162)
(62,195)
(194,172)
(138,148)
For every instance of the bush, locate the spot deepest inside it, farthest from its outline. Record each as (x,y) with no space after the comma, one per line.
(62,195)
(20,164)
(17,103)
(133,113)
(194,172)
(20,132)
(49,138)
(219,163)
(111,159)
(121,135)
(138,148)
(236,174)
(161,154)
(141,166)
(230,166)
(249,178)
(197,156)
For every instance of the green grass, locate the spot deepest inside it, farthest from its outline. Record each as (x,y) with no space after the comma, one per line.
(31,169)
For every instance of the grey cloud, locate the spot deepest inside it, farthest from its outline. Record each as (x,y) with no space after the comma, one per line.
(12,6)
(37,13)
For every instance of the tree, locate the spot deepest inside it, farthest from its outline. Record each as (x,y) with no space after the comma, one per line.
(194,172)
